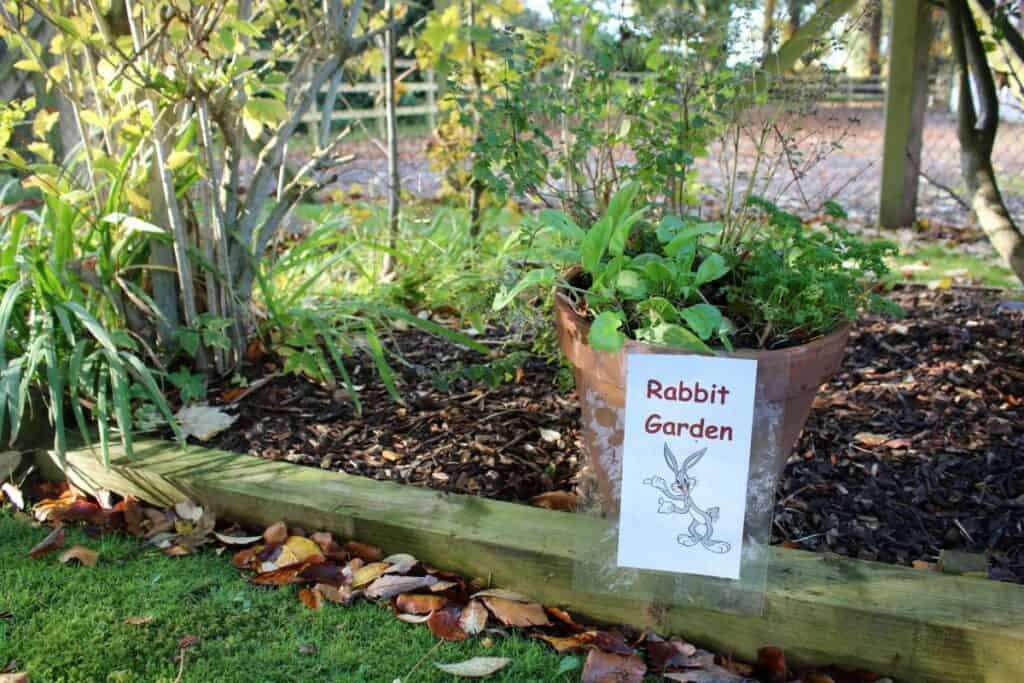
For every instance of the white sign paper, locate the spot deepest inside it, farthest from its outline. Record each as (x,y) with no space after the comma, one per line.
(685,461)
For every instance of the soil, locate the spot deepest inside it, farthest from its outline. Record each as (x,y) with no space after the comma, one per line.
(912,448)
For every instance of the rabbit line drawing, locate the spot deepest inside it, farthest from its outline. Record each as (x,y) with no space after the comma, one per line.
(678,500)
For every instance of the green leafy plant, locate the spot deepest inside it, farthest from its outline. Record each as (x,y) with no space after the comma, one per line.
(689,284)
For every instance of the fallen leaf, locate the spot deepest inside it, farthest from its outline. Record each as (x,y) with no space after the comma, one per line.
(478,667)
(549,435)
(204,422)
(605,667)
(9,461)
(339,595)
(564,617)
(411,603)
(401,563)
(176,550)
(83,555)
(389,586)
(187,642)
(771,664)
(138,621)
(298,549)
(276,533)
(20,677)
(188,510)
(279,577)
(563,501)
(474,618)
(513,613)
(503,594)
(926,566)
(670,654)
(364,551)
(311,598)
(414,618)
(237,540)
(444,624)
(324,572)
(14,494)
(52,542)
(368,573)
(244,558)
(307,649)
(713,674)
(870,440)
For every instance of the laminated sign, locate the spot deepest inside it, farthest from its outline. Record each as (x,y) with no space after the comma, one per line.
(685,460)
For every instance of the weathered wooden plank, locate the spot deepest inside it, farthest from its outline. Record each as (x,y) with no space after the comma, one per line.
(916,625)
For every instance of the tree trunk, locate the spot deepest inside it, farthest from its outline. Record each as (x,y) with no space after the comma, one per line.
(394,179)
(768,28)
(476,188)
(875,37)
(977,133)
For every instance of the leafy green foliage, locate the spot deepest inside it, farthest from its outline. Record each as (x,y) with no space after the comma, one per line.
(681,284)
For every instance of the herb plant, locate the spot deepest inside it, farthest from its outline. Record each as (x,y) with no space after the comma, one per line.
(696,285)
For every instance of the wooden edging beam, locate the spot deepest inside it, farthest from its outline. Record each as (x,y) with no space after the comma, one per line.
(914,625)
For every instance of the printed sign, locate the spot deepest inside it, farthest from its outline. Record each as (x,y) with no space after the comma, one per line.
(685,460)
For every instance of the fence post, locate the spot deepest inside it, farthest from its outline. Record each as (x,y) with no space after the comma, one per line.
(906,97)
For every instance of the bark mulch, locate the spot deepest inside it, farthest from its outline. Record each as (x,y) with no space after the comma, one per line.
(913,447)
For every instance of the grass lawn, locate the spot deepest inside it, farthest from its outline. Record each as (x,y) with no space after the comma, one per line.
(66,624)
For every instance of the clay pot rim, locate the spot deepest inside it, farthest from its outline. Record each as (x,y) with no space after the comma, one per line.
(563,301)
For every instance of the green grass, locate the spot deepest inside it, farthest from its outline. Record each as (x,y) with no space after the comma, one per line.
(67,624)
(943,262)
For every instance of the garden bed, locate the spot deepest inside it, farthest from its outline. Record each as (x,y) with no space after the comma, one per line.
(923,423)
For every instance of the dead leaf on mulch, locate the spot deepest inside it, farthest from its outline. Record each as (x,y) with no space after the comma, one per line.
(478,667)
(204,422)
(563,501)
(474,618)
(513,613)
(81,554)
(52,542)
(444,624)
(605,667)
(138,621)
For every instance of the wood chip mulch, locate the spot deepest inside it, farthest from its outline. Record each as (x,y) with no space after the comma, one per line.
(914,446)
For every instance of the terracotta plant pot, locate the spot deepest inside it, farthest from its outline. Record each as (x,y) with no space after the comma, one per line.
(788,380)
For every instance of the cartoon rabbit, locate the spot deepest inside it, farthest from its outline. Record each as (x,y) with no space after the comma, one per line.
(680,502)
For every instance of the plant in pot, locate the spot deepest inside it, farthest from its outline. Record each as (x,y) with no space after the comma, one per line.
(770,288)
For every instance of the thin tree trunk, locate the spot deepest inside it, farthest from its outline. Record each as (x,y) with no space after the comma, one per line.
(977,133)
(768,28)
(394,179)
(476,188)
(875,37)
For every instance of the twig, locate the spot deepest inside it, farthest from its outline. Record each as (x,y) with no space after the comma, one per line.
(181,666)
(945,188)
(415,666)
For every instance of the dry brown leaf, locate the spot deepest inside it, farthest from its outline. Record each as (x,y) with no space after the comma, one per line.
(474,618)
(412,603)
(299,549)
(369,573)
(237,540)
(244,558)
(138,621)
(20,677)
(563,501)
(389,586)
(176,550)
(276,533)
(603,640)
(339,595)
(605,667)
(444,624)
(771,664)
(670,654)
(870,440)
(503,594)
(564,617)
(279,577)
(83,555)
(324,572)
(442,586)
(53,541)
(311,598)
(364,551)
(512,613)
(713,674)
(926,566)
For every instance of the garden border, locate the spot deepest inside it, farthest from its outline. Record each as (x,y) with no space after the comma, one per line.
(822,609)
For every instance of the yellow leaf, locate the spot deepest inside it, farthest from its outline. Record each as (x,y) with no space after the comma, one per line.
(253,128)
(137,200)
(179,159)
(301,547)
(41,150)
(44,122)
(28,65)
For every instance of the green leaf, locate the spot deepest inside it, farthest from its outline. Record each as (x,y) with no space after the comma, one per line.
(557,220)
(703,319)
(620,233)
(594,245)
(631,284)
(604,332)
(711,268)
(676,336)
(541,276)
